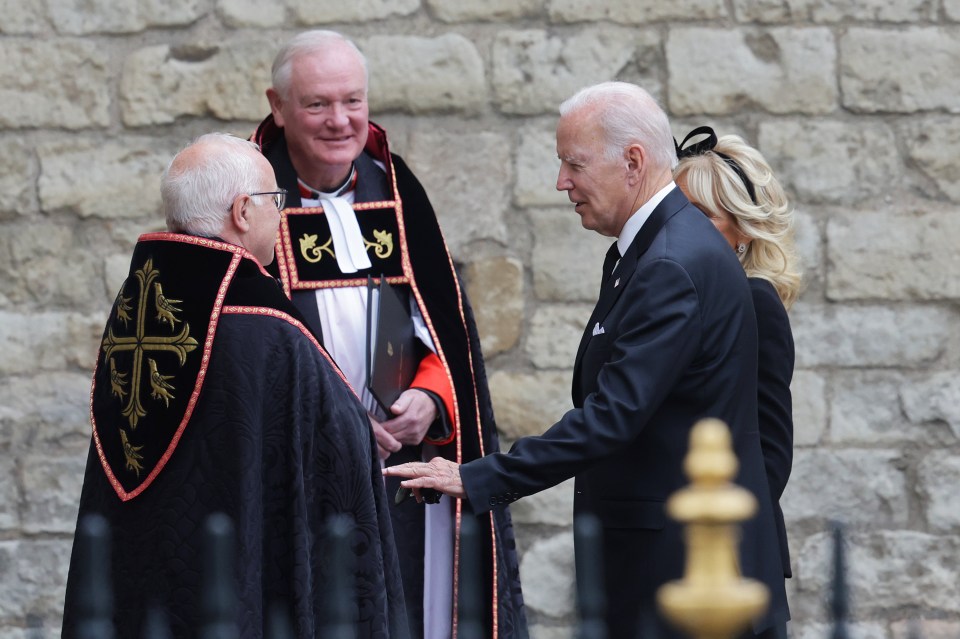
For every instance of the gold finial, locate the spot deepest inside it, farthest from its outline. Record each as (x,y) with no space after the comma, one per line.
(712,600)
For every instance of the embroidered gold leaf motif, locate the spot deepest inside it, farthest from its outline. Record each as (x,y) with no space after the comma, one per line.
(383,246)
(131,453)
(390,349)
(313,253)
(140,342)
(117,380)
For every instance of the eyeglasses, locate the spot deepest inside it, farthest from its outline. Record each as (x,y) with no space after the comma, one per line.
(279,197)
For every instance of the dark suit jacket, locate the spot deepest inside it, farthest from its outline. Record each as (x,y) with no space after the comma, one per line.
(678,343)
(774,373)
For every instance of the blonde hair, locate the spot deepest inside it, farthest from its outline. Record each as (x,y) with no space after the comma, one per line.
(711,182)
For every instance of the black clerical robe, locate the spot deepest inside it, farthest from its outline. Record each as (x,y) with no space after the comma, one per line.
(210,395)
(417,260)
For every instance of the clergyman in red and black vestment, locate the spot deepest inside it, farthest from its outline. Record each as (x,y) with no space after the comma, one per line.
(211,395)
(356,210)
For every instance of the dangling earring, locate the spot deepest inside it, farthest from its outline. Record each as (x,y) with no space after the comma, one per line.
(741,248)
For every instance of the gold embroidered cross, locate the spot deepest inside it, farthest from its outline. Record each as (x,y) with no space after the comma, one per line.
(141,343)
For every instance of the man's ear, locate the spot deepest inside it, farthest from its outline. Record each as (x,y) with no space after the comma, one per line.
(636,158)
(275,103)
(239,214)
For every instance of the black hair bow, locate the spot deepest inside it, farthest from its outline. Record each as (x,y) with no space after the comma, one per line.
(704,146)
(698,148)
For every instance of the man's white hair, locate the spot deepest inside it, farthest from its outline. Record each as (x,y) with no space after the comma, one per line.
(628,115)
(201,182)
(307,43)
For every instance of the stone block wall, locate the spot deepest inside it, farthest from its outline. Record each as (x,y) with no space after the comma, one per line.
(856,103)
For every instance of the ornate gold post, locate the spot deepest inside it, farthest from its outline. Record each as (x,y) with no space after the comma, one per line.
(712,601)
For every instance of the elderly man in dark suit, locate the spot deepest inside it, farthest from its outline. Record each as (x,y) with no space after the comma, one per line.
(672,339)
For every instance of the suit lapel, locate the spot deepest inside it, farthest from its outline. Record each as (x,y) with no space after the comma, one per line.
(611,289)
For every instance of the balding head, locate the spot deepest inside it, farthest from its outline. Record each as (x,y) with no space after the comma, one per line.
(203,179)
(206,191)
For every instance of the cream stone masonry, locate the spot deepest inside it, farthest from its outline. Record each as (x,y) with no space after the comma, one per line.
(867,409)
(567,259)
(777,70)
(809,243)
(118,178)
(856,336)
(802,630)
(50,492)
(227,81)
(33,582)
(422,75)
(9,494)
(900,71)
(16,178)
(33,251)
(469,192)
(952,9)
(554,334)
(939,477)
(323,12)
(47,412)
(252,13)
(552,507)
(24,17)
(927,628)
(936,399)
(823,486)
(867,253)
(833,11)
(641,13)
(931,144)
(495,288)
(48,341)
(529,403)
(833,161)
(538,165)
(810,408)
(888,569)
(483,10)
(533,71)
(89,17)
(60,83)
(549,562)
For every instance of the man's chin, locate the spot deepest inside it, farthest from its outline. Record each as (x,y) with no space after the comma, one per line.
(336,156)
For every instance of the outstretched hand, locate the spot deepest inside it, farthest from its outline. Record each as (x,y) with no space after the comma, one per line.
(439,474)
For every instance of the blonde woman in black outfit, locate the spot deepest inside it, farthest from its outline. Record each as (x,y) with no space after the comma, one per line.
(734,186)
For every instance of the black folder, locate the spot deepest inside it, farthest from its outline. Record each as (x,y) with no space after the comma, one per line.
(391,344)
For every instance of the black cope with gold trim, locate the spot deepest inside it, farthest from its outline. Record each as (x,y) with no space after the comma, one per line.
(151,356)
(308,246)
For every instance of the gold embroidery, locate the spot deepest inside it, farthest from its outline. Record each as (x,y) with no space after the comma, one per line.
(165,307)
(123,308)
(313,253)
(117,380)
(158,382)
(132,454)
(383,247)
(140,343)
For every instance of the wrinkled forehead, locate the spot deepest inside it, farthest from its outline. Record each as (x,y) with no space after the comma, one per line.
(579,134)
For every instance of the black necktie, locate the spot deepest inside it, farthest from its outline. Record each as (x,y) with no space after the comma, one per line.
(610,261)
